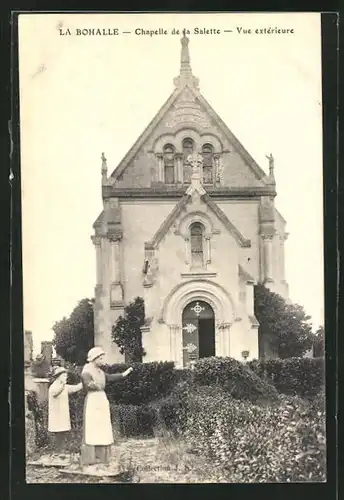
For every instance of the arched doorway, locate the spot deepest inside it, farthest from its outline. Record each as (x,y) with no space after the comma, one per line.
(198,325)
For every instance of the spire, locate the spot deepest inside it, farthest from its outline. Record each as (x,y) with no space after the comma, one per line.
(185,67)
(185,77)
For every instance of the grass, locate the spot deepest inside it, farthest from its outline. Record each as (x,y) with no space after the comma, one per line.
(162,459)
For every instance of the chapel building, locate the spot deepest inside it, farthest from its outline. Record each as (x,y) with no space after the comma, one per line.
(189,224)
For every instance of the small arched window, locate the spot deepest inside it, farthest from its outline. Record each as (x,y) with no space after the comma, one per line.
(169,164)
(188,148)
(196,241)
(208,154)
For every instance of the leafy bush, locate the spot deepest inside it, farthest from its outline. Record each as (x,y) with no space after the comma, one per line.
(133,420)
(291,444)
(39,413)
(235,377)
(147,382)
(304,377)
(74,336)
(126,332)
(284,328)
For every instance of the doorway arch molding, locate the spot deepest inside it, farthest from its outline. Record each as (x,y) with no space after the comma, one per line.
(208,291)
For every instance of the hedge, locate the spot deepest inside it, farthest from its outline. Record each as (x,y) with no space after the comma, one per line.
(282,442)
(235,377)
(304,377)
(147,382)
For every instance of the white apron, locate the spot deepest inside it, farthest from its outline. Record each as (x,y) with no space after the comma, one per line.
(98,428)
(58,416)
(97,417)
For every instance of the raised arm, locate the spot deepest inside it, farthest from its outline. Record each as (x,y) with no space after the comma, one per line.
(111,377)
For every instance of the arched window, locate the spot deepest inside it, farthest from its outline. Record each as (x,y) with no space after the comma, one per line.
(207,153)
(188,148)
(169,164)
(196,241)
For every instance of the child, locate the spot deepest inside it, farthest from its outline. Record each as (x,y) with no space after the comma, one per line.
(58,413)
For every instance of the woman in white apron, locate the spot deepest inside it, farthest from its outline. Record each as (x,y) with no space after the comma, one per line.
(97,435)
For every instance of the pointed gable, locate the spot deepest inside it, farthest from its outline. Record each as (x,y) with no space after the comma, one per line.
(186,113)
(221,216)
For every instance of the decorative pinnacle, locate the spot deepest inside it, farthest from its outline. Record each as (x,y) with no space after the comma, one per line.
(185,55)
(104,165)
(185,77)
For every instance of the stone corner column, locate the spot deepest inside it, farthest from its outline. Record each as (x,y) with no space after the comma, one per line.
(222,339)
(160,158)
(96,240)
(180,173)
(249,295)
(116,288)
(176,345)
(267,253)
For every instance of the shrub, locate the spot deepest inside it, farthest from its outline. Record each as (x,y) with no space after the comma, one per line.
(148,381)
(171,411)
(294,376)
(133,420)
(290,448)
(39,413)
(235,377)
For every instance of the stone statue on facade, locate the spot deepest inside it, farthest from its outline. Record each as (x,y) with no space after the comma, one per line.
(271,161)
(195,161)
(152,270)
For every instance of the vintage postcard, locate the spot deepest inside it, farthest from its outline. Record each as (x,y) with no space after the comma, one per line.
(172,232)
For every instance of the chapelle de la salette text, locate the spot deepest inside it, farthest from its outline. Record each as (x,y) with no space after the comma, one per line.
(269,30)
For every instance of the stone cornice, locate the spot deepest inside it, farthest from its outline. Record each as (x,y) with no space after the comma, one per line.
(162,191)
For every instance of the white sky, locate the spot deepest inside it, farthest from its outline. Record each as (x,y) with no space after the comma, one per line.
(80,96)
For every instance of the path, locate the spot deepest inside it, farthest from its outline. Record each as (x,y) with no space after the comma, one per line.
(152,461)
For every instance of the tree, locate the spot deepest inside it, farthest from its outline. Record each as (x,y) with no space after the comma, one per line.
(319,343)
(284,327)
(74,336)
(126,332)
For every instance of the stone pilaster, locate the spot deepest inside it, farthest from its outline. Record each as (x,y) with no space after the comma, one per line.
(267,248)
(223,340)
(180,173)
(249,298)
(267,232)
(207,238)
(97,243)
(176,345)
(116,290)
(160,158)
(187,250)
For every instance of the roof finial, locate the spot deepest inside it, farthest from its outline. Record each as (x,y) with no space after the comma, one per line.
(271,168)
(185,55)
(185,77)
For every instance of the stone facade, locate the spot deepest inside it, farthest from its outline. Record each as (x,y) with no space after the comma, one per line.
(189,224)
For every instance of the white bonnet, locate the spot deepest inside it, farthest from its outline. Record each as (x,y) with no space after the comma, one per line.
(94,353)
